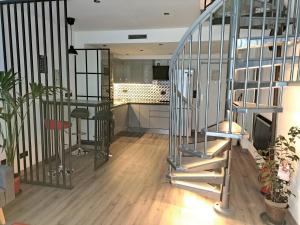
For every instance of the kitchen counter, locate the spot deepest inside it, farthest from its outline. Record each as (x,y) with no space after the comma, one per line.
(142,116)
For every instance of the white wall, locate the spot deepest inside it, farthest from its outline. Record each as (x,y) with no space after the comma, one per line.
(291,117)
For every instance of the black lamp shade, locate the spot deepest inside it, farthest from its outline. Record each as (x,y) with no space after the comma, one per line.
(71,21)
(72,50)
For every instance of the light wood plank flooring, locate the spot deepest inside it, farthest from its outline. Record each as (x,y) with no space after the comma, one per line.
(131,189)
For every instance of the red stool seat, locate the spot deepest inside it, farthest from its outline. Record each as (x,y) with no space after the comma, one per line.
(59,125)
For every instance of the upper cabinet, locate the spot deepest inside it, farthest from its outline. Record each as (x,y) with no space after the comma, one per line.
(132,71)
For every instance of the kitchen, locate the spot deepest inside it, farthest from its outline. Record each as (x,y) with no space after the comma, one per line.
(141,96)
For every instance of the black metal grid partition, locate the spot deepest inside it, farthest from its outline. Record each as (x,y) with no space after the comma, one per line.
(35,43)
(92,80)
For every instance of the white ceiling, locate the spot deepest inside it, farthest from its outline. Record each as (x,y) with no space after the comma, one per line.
(132,14)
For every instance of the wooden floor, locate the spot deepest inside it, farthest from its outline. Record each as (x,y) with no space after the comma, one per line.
(131,189)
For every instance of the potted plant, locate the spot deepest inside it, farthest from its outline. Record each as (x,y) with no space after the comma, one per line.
(276,174)
(11,118)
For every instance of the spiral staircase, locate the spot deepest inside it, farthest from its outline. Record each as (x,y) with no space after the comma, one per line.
(234,61)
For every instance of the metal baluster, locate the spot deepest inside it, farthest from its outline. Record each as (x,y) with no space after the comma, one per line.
(261,54)
(182,103)
(208,81)
(172,116)
(271,91)
(189,90)
(221,66)
(182,93)
(234,33)
(295,39)
(198,87)
(285,52)
(247,64)
(177,117)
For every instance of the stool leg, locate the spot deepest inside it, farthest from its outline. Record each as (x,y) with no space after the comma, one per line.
(79,134)
(80,150)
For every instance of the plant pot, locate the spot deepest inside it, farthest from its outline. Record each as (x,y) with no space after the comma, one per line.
(17,183)
(276,211)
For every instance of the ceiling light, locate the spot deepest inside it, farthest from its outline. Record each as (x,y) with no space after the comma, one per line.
(166,14)
(141,50)
(104,45)
(97,1)
(160,44)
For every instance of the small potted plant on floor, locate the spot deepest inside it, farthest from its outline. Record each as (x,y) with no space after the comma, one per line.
(11,118)
(276,173)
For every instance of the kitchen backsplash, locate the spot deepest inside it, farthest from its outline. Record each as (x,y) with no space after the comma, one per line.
(155,92)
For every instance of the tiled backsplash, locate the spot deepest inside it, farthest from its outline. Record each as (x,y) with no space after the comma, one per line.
(157,91)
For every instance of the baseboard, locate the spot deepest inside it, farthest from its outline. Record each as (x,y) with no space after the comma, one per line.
(290,219)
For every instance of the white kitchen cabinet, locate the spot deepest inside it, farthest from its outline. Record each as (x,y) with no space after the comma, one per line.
(159,123)
(144,116)
(120,118)
(134,115)
(159,117)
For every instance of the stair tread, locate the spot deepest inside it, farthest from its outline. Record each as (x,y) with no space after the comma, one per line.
(250,106)
(241,64)
(198,186)
(197,174)
(224,132)
(240,85)
(191,163)
(255,42)
(213,147)
(224,127)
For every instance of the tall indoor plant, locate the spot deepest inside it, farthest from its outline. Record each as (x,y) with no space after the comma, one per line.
(276,173)
(11,118)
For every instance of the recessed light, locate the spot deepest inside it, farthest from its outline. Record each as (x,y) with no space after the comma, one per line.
(160,44)
(166,14)
(104,45)
(97,1)
(141,50)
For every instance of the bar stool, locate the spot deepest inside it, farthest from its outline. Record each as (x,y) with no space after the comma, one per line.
(79,113)
(59,126)
(104,120)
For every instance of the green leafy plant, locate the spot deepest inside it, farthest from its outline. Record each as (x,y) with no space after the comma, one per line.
(281,155)
(11,117)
